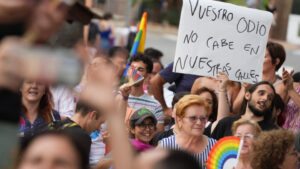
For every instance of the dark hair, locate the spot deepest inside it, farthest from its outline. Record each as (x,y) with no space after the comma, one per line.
(213,116)
(296,77)
(267,116)
(107,16)
(82,155)
(297,142)
(154,53)
(117,49)
(93,31)
(45,106)
(157,61)
(145,59)
(178,96)
(276,51)
(84,109)
(279,105)
(177,159)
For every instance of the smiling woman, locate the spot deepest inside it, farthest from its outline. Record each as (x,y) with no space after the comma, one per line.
(143,128)
(191,117)
(37,104)
(247,130)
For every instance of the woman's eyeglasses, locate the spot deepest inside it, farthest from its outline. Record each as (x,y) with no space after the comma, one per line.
(246,136)
(144,126)
(194,119)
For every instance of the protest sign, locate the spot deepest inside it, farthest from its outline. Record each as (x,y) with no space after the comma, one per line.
(215,36)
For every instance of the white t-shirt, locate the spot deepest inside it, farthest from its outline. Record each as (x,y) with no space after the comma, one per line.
(63,98)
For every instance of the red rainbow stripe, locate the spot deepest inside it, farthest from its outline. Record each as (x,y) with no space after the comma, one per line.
(225,149)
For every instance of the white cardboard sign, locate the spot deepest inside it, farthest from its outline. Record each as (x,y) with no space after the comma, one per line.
(215,36)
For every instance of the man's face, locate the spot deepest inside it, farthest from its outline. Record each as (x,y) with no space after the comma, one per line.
(260,101)
(94,123)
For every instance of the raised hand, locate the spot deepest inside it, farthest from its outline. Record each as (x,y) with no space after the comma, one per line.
(125,90)
(223,81)
(101,83)
(287,79)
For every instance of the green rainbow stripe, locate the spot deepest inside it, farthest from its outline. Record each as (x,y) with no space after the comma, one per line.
(226,148)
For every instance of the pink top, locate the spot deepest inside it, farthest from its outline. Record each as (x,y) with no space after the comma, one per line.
(140,146)
(292,112)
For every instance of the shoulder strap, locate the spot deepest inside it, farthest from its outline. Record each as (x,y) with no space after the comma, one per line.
(57,125)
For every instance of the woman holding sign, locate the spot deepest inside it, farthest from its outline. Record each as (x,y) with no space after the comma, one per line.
(247,130)
(191,117)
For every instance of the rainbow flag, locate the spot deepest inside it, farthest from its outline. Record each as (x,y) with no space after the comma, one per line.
(139,41)
(225,153)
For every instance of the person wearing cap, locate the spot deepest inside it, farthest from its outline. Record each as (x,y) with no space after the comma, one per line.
(142,128)
(138,98)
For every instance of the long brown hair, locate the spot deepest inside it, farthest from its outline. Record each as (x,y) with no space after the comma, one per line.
(45,106)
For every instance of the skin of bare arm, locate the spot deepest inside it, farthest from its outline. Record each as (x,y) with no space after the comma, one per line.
(232,87)
(289,87)
(223,103)
(157,83)
(237,104)
(113,111)
(196,85)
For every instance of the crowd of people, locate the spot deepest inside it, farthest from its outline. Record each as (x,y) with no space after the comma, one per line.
(102,121)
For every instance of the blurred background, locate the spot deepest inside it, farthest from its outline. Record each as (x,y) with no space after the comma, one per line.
(163,21)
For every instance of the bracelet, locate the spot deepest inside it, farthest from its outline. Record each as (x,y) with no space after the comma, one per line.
(125,98)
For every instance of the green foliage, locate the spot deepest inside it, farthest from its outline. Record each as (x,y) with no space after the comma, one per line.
(172,16)
(133,2)
(237,2)
(243,3)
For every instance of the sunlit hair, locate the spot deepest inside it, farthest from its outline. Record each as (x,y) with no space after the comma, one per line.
(270,148)
(214,112)
(187,101)
(241,122)
(45,107)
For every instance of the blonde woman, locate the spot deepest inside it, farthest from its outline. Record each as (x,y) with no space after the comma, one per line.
(191,117)
(247,130)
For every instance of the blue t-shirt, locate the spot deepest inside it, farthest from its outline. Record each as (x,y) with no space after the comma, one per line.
(183,82)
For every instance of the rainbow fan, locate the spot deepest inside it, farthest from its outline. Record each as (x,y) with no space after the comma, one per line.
(133,76)
(224,153)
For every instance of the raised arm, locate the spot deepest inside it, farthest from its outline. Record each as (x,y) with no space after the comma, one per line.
(237,103)
(157,83)
(99,94)
(223,103)
(288,84)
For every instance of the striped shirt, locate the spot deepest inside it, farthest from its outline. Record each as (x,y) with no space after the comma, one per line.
(146,101)
(170,143)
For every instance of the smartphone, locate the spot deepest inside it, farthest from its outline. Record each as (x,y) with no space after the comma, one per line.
(59,66)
